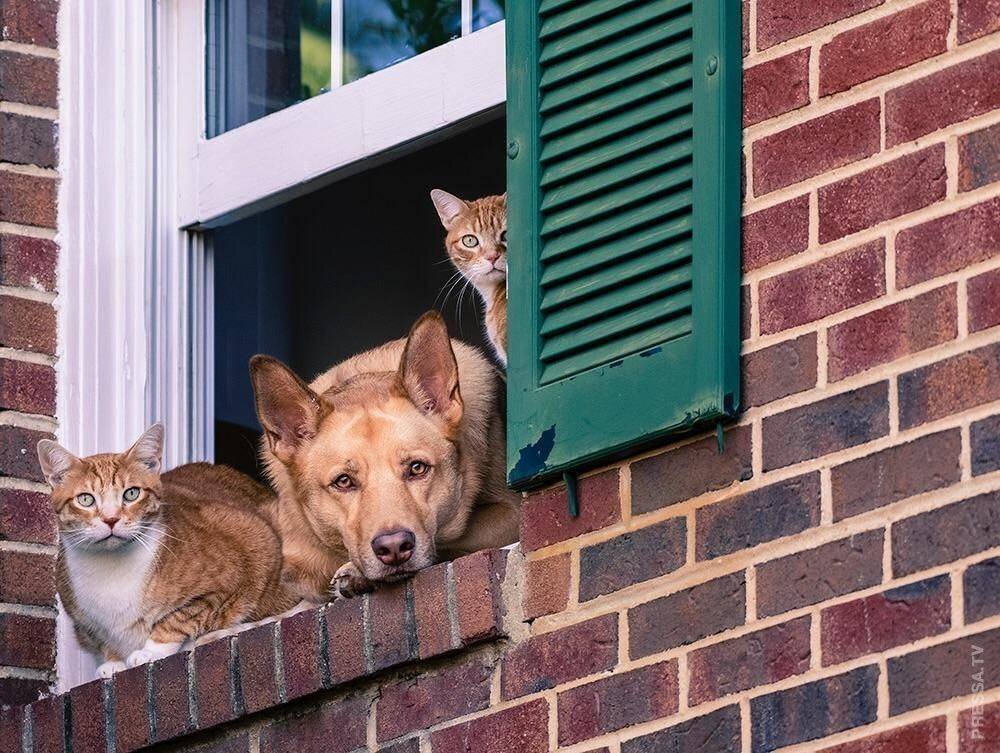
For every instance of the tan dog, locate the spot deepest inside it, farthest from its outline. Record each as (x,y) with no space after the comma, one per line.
(383,465)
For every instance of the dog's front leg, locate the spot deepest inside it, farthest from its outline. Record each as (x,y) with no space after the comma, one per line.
(349,581)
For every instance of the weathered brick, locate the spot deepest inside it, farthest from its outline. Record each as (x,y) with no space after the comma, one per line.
(780,370)
(758,658)
(816,146)
(902,471)
(948,244)
(979,154)
(984,301)
(745,312)
(775,233)
(765,514)
(27,141)
(885,620)
(88,717)
(955,94)
(775,87)
(949,386)
(392,638)
(718,732)
(301,654)
(687,616)
(255,668)
(27,387)
(981,589)
(345,631)
(405,746)
(21,690)
(816,575)
(29,79)
(633,557)
(27,199)
(892,332)
(888,44)
(978,728)
(691,470)
(946,534)
(28,578)
(985,439)
(213,683)
(616,702)
(48,724)
(927,736)
(830,285)
(17,452)
(335,727)
(477,595)
(746,27)
(236,741)
(778,20)
(27,516)
(546,587)
(814,710)
(29,21)
(523,728)
(811,431)
(130,693)
(27,641)
(906,184)
(550,659)
(28,262)
(414,704)
(430,611)
(27,324)
(171,707)
(977,18)
(11,729)
(955,666)
(545,519)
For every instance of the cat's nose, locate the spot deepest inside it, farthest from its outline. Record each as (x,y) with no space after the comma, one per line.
(492,256)
(394,547)
(110,521)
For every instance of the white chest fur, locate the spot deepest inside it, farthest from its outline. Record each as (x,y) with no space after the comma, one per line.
(110,588)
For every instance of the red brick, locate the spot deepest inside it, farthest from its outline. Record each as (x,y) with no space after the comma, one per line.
(130,694)
(948,244)
(28,578)
(816,575)
(947,534)
(21,690)
(430,611)
(888,44)
(745,308)
(905,470)
(979,156)
(984,301)
(775,87)
(814,710)
(765,514)
(746,27)
(414,704)
(687,616)
(28,262)
(780,370)
(936,101)
(616,702)
(836,423)
(978,729)
(778,20)
(546,587)
(27,516)
(255,667)
(27,324)
(892,332)
(11,729)
(406,746)
(213,683)
(523,728)
(830,285)
(171,707)
(977,18)
(27,141)
(545,518)
(926,736)
(27,641)
(301,655)
(718,732)
(29,79)
(758,658)
(981,590)
(48,724)
(89,716)
(17,452)
(816,146)
(551,659)
(29,21)
(949,386)
(392,638)
(633,557)
(985,439)
(335,727)
(885,620)
(947,670)
(775,233)
(27,387)
(477,595)
(237,741)
(27,199)
(345,631)
(691,470)
(882,193)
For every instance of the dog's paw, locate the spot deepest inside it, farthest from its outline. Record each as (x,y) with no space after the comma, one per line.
(349,581)
(106,670)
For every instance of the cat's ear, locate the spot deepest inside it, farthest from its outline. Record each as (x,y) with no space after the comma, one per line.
(148,449)
(288,410)
(448,206)
(428,371)
(55,461)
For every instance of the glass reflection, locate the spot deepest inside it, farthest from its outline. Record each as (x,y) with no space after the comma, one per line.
(486,12)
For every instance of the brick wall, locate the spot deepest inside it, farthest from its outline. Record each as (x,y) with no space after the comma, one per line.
(28,136)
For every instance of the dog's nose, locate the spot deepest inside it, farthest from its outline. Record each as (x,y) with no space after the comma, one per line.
(394,547)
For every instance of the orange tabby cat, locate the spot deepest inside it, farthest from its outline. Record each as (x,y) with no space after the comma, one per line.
(149,561)
(477,245)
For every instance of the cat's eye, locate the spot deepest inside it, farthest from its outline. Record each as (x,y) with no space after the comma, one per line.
(343,482)
(503,237)
(131,494)
(470,241)
(85,500)
(418,468)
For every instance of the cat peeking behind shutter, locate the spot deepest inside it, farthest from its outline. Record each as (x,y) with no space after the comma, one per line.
(149,561)
(477,245)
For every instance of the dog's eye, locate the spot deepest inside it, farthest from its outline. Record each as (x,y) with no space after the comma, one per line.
(343,482)
(418,468)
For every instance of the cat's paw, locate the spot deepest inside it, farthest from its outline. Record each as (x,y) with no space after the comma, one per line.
(139,656)
(349,581)
(106,670)
(152,651)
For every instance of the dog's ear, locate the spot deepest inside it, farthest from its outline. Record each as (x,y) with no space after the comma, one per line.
(287,409)
(55,461)
(448,206)
(428,371)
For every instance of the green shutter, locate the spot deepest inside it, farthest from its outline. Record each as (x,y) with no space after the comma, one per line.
(624,126)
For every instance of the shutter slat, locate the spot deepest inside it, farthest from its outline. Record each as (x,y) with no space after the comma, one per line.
(576,13)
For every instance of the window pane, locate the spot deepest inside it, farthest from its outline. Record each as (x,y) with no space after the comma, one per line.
(486,12)
(264,55)
(380,33)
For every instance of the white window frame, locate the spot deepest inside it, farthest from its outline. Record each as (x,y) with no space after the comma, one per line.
(139,181)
